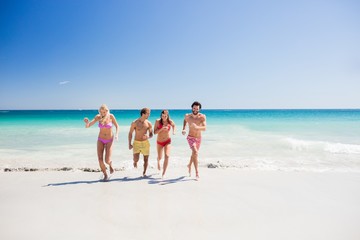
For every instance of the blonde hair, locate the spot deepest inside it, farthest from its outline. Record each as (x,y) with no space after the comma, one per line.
(103,119)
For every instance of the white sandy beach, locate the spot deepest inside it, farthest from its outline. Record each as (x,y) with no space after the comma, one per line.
(224,204)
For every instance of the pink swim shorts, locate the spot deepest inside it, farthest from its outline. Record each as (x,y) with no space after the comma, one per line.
(194,142)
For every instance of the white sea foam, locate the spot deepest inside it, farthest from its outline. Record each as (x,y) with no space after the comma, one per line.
(305,145)
(343,148)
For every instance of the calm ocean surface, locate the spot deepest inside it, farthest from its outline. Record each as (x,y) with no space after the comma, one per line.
(305,140)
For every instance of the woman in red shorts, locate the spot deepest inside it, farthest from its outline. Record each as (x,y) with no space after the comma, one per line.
(162,128)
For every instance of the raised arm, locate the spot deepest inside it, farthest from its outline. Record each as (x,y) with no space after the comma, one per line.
(92,122)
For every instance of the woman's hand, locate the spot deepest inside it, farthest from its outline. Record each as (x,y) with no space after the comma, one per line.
(86,120)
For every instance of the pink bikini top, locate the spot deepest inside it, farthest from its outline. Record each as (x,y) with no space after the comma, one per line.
(108,125)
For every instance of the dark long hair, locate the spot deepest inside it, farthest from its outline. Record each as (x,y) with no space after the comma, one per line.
(168,114)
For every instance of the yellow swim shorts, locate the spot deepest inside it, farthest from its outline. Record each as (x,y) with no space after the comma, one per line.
(141,147)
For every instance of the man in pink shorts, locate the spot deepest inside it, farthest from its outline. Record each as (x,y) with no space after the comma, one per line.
(197,123)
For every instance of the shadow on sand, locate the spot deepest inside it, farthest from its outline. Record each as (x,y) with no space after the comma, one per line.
(149,178)
(170,180)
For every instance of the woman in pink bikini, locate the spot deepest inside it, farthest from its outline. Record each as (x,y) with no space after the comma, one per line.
(162,128)
(105,139)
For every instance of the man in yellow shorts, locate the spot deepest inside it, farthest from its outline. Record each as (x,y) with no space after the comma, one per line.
(143,131)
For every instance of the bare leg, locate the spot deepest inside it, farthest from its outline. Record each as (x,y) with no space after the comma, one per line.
(100,152)
(146,161)
(194,157)
(136,159)
(159,152)
(108,153)
(166,160)
(189,165)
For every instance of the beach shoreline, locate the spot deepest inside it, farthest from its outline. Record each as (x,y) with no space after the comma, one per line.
(224,203)
(314,140)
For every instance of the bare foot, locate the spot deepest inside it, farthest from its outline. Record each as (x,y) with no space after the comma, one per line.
(106,177)
(197,176)
(135,164)
(111,170)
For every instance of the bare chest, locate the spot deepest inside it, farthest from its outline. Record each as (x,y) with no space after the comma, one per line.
(197,121)
(141,126)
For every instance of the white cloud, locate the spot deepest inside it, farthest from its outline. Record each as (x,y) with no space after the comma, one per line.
(63,82)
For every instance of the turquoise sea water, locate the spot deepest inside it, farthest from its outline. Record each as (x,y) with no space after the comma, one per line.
(309,140)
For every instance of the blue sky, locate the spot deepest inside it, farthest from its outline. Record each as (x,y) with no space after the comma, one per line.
(78,54)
